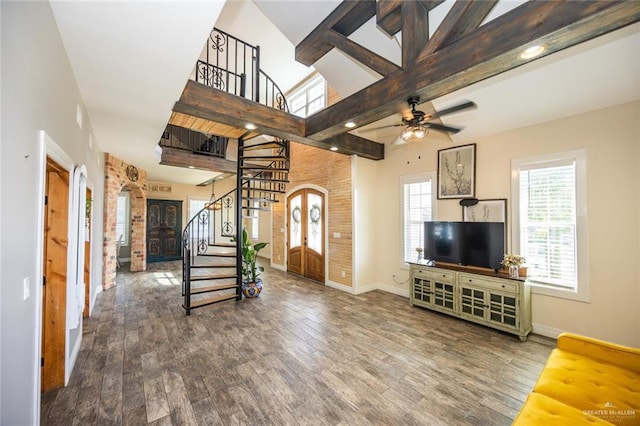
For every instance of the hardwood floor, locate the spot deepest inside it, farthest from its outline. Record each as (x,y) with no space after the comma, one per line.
(299,354)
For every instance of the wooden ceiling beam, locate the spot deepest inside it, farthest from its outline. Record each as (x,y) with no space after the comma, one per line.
(215,105)
(415,31)
(389,15)
(345,19)
(487,51)
(377,63)
(463,17)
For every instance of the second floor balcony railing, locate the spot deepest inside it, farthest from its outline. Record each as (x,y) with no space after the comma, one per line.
(232,65)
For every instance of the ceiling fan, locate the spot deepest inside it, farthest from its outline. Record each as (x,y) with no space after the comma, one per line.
(418,123)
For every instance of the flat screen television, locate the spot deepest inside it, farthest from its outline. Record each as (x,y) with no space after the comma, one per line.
(480,244)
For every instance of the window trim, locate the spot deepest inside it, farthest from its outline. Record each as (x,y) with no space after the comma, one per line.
(579,156)
(303,90)
(127,219)
(408,179)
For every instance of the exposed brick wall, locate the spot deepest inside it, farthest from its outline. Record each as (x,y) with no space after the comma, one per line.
(115,181)
(331,171)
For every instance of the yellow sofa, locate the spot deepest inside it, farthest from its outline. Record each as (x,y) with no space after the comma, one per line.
(585,381)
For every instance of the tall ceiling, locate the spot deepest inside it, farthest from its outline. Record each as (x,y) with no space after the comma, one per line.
(132,60)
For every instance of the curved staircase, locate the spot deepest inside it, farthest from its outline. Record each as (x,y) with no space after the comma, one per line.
(211,262)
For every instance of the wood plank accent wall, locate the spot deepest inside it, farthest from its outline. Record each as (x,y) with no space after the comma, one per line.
(332,171)
(115,181)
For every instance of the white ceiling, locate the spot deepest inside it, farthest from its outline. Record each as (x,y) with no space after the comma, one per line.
(132,60)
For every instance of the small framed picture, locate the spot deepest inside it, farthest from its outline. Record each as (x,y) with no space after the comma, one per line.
(457,172)
(494,210)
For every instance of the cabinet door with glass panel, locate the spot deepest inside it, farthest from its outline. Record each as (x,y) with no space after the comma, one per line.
(433,289)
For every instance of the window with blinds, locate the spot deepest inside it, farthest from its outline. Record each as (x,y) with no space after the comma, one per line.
(417,208)
(547,228)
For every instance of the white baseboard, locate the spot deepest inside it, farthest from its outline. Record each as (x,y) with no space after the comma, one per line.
(546,331)
(92,303)
(73,356)
(394,289)
(341,287)
(366,288)
(278,267)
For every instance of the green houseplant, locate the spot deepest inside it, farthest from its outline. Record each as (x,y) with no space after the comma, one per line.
(251,283)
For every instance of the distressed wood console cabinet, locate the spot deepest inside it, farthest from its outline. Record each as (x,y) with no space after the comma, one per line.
(487,298)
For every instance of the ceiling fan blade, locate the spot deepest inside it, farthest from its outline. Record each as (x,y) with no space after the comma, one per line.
(455,108)
(381,127)
(443,128)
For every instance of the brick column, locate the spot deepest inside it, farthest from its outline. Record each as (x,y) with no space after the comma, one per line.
(120,175)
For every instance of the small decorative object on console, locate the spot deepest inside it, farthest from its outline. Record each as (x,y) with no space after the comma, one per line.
(513,262)
(419,250)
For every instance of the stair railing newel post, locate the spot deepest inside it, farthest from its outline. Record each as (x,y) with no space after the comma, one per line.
(187,295)
(256,76)
(239,226)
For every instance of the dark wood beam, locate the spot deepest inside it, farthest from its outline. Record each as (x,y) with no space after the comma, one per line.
(463,17)
(361,54)
(415,31)
(181,158)
(389,16)
(215,105)
(345,19)
(487,51)
(205,102)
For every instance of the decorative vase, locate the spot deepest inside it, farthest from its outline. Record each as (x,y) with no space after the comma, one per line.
(252,289)
(513,271)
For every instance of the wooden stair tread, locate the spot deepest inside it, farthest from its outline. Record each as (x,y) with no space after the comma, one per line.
(263,179)
(222,245)
(213,266)
(200,290)
(213,277)
(218,254)
(263,157)
(257,167)
(264,145)
(211,301)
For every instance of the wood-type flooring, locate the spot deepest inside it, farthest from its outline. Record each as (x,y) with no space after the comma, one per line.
(300,354)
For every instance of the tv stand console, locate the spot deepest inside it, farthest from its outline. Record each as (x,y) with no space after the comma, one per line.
(485,297)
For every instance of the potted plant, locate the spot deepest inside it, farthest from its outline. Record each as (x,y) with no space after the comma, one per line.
(251,283)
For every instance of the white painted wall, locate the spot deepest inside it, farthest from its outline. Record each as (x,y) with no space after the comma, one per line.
(39,92)
(612,139)
(365,233)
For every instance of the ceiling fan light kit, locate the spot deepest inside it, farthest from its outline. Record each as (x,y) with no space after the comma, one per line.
(414,133)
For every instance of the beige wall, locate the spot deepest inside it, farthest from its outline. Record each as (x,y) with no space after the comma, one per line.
(612,139)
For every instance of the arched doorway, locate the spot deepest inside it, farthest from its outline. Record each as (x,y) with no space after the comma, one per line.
(306,251)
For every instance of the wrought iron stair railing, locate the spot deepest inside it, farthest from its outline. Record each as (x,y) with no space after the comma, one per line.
(233,65)
(195,142)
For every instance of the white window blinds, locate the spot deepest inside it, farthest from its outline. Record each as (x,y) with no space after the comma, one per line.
(548,225)
(417,207)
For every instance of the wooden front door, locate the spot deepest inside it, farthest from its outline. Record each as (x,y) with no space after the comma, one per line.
(164,223)
(306,234)
(54,292)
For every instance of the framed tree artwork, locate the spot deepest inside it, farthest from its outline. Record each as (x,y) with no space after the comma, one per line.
(457,172)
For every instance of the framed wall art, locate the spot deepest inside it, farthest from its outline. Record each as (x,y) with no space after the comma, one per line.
(457,172)
(494,210)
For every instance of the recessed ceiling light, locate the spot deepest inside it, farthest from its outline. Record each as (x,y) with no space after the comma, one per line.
(532,52)
(349,124)
(334,148)
(191,167)
(250,126)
